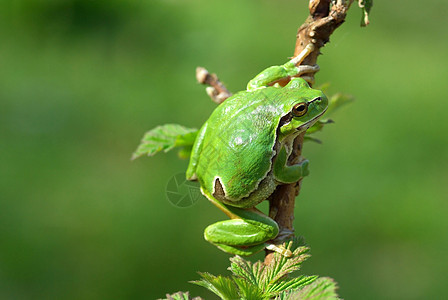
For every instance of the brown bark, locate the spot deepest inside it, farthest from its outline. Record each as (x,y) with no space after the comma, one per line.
(323,20)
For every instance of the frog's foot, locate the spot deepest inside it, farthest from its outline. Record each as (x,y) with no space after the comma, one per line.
(276,73)
(305,69)
(242,236)
(289,174)
(311,70)
(294,69)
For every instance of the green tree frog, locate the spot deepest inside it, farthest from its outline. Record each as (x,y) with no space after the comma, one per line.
(240,154)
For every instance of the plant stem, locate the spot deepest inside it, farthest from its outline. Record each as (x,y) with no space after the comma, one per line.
(317,28)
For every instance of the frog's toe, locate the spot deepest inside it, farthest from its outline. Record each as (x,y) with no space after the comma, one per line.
(305,69)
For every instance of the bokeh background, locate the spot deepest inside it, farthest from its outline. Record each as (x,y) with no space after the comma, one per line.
(81,81)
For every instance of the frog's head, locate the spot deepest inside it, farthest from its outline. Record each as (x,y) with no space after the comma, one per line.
(303,107)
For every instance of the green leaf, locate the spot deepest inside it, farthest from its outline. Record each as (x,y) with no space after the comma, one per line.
(248,290)
(318,126)
(245,269)
(258,281)
(311,139)
(338,100)
(291,284)
(335,101)
(184,152)
(323,288)
(366,6)
(188,138)
(270,279)
(166,137)
(323,87)
(281,266)
(181,296)
(223,287)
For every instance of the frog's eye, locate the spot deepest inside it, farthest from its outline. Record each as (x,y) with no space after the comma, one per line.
(299,109)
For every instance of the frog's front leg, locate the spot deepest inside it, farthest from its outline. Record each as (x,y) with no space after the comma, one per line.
(244,235)
(289,174)
(288,69)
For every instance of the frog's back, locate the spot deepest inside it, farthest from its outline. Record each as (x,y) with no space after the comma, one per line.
(237,145)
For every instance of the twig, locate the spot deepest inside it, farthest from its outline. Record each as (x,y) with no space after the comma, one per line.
(323,20)
(216,90)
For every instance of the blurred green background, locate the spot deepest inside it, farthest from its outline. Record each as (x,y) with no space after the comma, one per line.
(81,81)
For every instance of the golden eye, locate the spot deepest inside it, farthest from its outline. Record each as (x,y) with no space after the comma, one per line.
(300,109)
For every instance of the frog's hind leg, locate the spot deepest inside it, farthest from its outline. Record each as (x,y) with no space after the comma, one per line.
(248,231)
(245,235)
(224,208)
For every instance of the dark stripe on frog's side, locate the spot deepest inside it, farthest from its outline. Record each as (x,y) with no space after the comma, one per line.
(264,189)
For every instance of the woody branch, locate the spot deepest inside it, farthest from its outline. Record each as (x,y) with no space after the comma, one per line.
(324,18)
